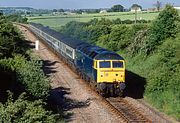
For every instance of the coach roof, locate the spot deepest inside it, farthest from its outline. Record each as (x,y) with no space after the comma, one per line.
(72,42)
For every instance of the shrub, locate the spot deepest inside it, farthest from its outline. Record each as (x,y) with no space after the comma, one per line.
(120,37)
(16,18)
(10,39)
(29,73)
(94,32)
(163,27)
(138,43)
(24,111)
(164,80)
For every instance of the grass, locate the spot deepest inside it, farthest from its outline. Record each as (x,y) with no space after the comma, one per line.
(60,20)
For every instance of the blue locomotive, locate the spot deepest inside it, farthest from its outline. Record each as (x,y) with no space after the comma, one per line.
(103,68)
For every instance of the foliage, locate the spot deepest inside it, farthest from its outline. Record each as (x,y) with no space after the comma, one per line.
(138,43)
(163,27)
(94,32)
(25,74)
(160,68)
(104,32)
(24,111)
(119,37)
(135,6)
(10,38)
(75,29)
(29,73)
(1,13)
(117,8)
(162,73)
(16,18)
(165,78)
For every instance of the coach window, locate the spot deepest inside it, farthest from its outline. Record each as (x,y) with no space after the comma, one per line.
(69,52)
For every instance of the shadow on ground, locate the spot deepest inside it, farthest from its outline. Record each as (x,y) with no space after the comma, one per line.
(59,102)
(135,85)
(48,67)
(28,44)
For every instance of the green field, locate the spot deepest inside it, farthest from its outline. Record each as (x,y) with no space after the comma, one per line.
(60,20)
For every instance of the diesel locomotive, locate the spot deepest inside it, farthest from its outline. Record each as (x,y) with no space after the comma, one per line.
(105,69)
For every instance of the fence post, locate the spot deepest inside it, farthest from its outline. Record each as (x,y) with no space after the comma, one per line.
(37,44)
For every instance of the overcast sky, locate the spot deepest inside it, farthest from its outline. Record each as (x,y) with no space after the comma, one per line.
(77,4)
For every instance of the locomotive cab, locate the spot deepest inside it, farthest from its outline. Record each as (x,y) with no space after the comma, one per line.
(110,70)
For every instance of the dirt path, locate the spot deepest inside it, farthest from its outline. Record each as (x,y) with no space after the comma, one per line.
(69,93)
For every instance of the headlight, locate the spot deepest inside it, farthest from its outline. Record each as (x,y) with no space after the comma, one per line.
(101,74)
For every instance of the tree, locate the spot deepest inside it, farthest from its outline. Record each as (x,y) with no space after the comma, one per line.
(61,10)
(1,12)
(117,8)
(79,11)
(158,5)
(135,6)
(165,26)
(54,10)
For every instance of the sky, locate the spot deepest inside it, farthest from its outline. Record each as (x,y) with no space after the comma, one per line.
(81,4)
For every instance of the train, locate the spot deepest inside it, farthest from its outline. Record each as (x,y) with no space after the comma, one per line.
(102,68)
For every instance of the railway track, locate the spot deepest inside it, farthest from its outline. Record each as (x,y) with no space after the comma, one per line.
(118,106)
(127,110)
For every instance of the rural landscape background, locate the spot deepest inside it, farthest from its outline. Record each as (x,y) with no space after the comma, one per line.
(148,39)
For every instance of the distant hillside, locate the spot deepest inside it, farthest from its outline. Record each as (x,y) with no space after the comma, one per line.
(23,10)
(15,10)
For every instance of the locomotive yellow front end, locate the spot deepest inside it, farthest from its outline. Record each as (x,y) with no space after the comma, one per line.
(111,71)
(110,76)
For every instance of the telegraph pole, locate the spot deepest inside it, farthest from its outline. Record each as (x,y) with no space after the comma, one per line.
(135,15)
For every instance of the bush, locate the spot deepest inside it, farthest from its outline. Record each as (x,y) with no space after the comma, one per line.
(25,74)
(121,36)
(10,39)
(74,29)
(162,72)
(138,43)
(163,27)
(94,32)
(16,18)
(29,73)
(24,111)
(164,80)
